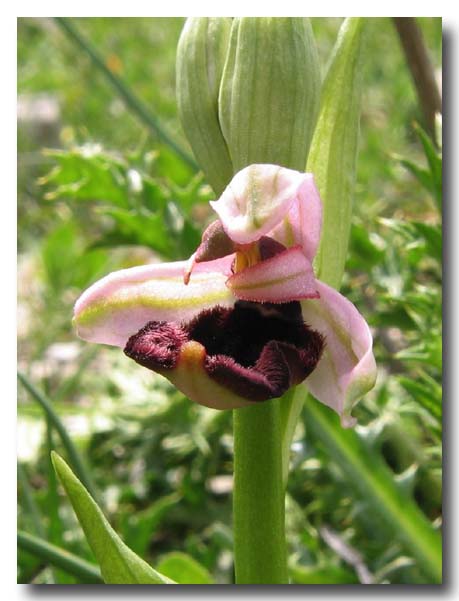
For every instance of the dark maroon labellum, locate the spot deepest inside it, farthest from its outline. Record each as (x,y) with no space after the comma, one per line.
(258,351)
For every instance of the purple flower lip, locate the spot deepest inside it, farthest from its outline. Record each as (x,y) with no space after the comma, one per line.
(257,351)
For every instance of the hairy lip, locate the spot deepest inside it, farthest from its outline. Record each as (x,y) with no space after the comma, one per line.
(257,351)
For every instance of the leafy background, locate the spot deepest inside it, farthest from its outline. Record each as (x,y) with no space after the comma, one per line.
(99,190)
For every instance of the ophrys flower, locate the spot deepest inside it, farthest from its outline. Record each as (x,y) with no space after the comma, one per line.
(244,319)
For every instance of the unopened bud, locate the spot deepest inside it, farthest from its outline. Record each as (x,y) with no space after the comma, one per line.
(201,56)
(270,91)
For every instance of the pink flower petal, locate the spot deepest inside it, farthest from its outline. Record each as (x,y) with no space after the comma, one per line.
(257,199)
(118,305)
(285,277)
(347,369)
(303,222)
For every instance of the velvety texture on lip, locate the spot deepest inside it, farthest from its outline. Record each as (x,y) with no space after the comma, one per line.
(258,351)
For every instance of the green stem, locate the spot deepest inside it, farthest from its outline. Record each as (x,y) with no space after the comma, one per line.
(259,496)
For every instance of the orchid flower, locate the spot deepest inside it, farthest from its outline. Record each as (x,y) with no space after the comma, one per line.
(244,319)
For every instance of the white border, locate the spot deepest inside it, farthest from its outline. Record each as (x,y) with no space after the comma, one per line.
(10,590)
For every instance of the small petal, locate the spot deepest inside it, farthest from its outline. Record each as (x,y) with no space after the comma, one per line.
(215,244)
(283,278)
(120,304)
(303,222)
(257,199)
(347,369)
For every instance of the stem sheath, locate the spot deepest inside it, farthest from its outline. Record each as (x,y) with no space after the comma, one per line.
(259,496)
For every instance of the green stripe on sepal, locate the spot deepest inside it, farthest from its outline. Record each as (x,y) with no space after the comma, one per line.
(201,56)
(333,154)
(269,94)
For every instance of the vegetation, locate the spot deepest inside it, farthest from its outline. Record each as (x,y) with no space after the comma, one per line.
(100,187)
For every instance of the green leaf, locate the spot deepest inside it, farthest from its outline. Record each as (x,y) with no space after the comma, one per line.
(139,527)
(321,575)
(332,159)
(85,571)
(364,252)
(428,352)
(28,501)
(183,569)
(374,482)
(425,391)
(195,192)
(431,178)
(434,159)
(87,173)
(432,235)
(395,316)
(423,175)
(118,564)
(333,154)
(138,228)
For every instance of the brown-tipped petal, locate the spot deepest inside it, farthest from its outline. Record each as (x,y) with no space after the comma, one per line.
(215,243)
(165,348)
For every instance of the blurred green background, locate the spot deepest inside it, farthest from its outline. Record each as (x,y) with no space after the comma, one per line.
(109,195)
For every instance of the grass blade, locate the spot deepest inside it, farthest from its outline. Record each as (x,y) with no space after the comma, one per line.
(30,504)
(73,454)
(85,571)
(132,102)
(374,481)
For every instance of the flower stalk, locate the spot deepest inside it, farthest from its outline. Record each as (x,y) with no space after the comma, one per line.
(259,496)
